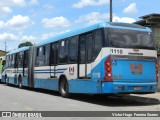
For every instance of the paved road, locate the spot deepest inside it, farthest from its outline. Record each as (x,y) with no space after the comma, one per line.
(15,99)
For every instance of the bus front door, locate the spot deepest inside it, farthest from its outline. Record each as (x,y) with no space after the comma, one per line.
(54,56)
(84,64)
(25,64)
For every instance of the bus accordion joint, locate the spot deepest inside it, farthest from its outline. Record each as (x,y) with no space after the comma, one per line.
(108,70)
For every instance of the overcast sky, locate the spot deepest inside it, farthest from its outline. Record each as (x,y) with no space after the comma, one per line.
(35,20)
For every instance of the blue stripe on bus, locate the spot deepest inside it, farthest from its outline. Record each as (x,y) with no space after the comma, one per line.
(52,69)
(39,71)
(62,69)
(46,72)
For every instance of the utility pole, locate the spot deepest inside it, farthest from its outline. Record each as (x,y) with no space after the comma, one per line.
(110,10)
(5,46)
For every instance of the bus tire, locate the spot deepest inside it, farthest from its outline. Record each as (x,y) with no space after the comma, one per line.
(64,88)
(20,82)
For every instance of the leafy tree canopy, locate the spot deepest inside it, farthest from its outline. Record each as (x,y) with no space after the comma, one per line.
(27,43)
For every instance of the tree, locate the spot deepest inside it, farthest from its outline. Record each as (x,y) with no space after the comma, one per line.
(27,43)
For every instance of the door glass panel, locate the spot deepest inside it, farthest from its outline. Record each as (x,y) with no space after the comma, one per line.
(52,54)
(89,48)
(82,50)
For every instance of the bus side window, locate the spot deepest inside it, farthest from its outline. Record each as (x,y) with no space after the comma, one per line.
(47,54)
(97,43)
(89,39)
(82,52)
(37,51)
(9,61)
(41,53)
(26,59)
(73,45)
(13,60)
(20,59)
(54,54)
(63,52)
(16,61)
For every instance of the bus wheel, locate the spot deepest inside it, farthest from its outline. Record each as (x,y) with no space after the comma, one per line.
(20,82)
(63,88)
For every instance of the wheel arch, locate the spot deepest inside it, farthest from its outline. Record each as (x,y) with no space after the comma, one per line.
(60,79)
(19,76)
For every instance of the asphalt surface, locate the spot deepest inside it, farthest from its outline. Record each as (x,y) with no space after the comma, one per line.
(15,99)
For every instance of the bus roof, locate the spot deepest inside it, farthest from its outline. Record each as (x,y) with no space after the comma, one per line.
(18,50)
(93,27)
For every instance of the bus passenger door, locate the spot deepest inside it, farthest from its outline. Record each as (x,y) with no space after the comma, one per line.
(30,65)
(84,64)
(15,57)
(53,60)
(25,64)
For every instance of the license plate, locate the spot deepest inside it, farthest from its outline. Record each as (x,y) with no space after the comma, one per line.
(137,88)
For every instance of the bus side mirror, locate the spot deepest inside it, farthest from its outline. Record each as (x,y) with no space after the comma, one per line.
(3,62)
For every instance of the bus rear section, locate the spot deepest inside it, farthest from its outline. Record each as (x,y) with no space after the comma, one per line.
(130,74)
(131,66)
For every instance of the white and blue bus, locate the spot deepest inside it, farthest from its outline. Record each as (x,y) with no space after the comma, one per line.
(105,58)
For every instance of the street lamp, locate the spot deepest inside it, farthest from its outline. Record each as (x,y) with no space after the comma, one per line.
(110,10)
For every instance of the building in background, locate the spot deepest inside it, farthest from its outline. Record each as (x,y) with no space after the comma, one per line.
(152,21)
(2,53)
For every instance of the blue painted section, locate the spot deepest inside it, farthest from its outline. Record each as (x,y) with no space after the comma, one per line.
(93,85)
(18,50)
(25,81)
(11,80)
(86,29)
(50,84)
(3,79)
(122,68)
(129,81)
(83,86)
(123,87)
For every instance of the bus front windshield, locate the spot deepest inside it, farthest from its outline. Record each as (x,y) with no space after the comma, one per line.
(123,38)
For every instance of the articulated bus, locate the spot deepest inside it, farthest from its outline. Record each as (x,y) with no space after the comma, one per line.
(105,58)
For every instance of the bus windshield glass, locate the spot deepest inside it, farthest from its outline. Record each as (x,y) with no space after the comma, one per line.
(123,38)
